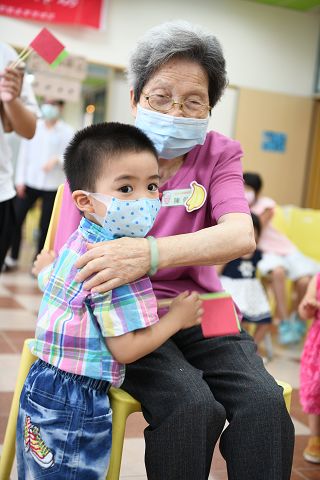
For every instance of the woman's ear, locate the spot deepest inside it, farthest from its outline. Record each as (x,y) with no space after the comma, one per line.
(83,201)
(133,103)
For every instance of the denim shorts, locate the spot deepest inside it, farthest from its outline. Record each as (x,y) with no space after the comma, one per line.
(64,426)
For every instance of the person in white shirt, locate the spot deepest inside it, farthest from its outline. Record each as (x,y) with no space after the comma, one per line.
(18,113)
(39,173)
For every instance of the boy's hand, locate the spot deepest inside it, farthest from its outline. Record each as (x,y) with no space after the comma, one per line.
(187,309)
(310,307)
(44,258)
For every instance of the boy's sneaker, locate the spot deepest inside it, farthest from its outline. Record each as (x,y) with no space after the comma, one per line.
(39,450)
(312,451)
(287,333)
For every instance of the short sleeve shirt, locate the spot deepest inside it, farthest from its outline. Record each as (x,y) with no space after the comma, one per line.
(219,190)
(210,181)
(73,323)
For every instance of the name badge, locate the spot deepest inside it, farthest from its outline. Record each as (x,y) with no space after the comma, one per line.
(191,198)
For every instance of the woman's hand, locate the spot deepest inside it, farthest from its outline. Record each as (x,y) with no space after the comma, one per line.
(113,263)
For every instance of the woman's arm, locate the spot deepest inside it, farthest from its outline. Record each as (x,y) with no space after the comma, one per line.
(122,261)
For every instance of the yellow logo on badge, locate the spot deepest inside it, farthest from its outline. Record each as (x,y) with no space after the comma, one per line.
(197,197)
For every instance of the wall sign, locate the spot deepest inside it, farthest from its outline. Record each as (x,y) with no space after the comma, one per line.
(274,141)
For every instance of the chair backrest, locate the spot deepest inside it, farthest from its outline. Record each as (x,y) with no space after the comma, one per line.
(281,218)
(301,226)
(304,231)
(55,216)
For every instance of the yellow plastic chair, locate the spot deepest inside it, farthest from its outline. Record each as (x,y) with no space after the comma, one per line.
(281,218)
(31,226)
(122,405)
(304,231)
(121,402)
(49,243)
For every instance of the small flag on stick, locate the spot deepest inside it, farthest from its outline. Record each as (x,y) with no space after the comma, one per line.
(47,46)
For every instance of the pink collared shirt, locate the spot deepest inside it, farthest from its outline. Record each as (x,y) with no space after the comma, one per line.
(216,167)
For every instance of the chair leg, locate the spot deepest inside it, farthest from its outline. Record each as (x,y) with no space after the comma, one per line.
(119,418)
(9,444)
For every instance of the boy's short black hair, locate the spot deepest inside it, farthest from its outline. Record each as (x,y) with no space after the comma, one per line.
(253,180)
(90,147)
(256,223)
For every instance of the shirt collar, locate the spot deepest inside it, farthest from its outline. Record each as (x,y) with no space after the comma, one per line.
(92,232)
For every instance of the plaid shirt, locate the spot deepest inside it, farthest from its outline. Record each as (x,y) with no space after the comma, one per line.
(73,323)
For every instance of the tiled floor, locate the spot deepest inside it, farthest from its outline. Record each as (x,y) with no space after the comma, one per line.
(19,301)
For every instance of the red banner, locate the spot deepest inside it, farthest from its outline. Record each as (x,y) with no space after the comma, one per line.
(73,12)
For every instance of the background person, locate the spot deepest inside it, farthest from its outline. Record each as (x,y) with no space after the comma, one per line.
(39,172)
(281,260)
(309,308)
(239,278)
(191,384)
(18,109)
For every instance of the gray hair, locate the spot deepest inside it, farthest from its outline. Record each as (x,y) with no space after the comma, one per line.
(177,39)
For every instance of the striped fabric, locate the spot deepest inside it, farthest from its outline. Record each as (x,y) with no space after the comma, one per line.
(72,322)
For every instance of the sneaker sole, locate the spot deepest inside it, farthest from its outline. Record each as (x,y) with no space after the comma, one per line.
(311,458)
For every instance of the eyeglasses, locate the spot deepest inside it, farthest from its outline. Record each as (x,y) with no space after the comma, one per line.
(164,103)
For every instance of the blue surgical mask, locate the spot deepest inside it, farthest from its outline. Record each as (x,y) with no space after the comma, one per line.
(127,218)
(50,112)
(171,136)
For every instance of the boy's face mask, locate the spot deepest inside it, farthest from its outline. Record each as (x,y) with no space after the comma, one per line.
(127,218)
(172,136)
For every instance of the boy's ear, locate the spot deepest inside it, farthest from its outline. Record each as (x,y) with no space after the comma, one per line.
(83,201)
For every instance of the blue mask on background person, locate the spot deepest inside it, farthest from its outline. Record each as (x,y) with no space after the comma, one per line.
(171,136)
(50,112)
(127,218)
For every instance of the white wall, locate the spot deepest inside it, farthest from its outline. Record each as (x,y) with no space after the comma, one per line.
(266,48)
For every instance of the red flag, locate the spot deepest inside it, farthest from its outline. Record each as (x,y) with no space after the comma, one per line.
(47,46)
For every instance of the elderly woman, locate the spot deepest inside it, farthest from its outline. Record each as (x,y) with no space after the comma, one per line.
(191,385)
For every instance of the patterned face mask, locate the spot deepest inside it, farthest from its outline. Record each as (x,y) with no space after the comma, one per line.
(127,218)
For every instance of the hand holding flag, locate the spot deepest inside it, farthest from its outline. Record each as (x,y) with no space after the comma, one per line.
(47,46)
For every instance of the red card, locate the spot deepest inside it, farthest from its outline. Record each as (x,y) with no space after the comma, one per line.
(220,316)
(47,45)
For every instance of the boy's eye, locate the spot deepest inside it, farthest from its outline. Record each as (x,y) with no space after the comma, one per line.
(126,189)
(153,187)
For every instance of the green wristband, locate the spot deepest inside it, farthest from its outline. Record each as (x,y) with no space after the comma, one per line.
(154,255)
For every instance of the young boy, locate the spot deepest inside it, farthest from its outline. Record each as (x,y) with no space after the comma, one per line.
(83,339)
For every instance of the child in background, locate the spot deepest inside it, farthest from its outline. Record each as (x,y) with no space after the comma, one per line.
(83,339)
(309,308)
(238,278)
(281,259)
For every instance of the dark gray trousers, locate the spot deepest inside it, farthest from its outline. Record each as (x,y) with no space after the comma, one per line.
(189,387)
